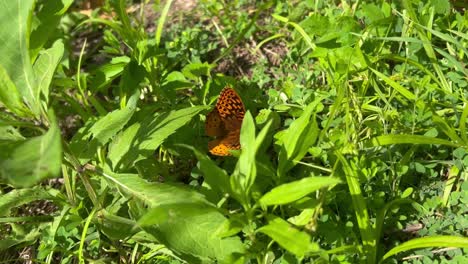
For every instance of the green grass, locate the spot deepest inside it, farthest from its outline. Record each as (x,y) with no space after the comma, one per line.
(356,131)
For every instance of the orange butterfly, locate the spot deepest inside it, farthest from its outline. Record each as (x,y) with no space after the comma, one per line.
(225,122)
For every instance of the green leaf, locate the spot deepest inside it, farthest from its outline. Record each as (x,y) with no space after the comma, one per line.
(14,36)
(44,68)
(161,21)
(246,171)
(9,95)
(8,134)
(46,20)
(126,29)
(213,175)
(109,125)
(408,139)
(81,145)
(299,29)
(142,138)
(154,193)
(402,90)
(114,226)
(190,230)
(425,242)
(182,218)
(20,236)
(108,72)
(288,237)
(94,134)
(290,192)
(132,76)
(447,129)
(297,139)
(33,160)
(360,209)
(197,69)
(452,177)
(18,197)
(175,81)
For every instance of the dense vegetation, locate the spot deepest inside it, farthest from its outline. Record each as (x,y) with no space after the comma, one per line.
(354,144)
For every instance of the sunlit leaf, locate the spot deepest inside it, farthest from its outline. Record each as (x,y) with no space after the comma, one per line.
(14,35)
(288,237)
(141,139)
(44,68)
(290,192)
(33,159)
(428,242)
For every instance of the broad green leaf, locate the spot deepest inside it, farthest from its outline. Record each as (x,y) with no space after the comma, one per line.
(14,36)
(132,76)
(46,20)
(288,237)
(94,134)
(18,197)
(44,68)
(175,81)
(213,175)
(97,133)
(9,95)
(108,126)
(297,139)
(425,242)
(142,138)
(182,219)
(290,192)
(154,193)
(246,171)
(190,230)
(81,145)
(197,69)
(33,160)
(235,224)
(114,226)
(108,72)
(121,145)
(408,139)
(303,218)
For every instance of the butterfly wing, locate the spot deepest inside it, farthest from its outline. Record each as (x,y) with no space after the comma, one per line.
(214,126)
(230,109)
(225,122)
(221,147)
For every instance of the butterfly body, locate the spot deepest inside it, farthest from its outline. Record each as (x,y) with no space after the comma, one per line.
(224,122)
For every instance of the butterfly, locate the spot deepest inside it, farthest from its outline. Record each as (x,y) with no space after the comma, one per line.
(224,122)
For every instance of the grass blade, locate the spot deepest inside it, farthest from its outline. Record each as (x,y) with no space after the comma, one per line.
(425,242)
